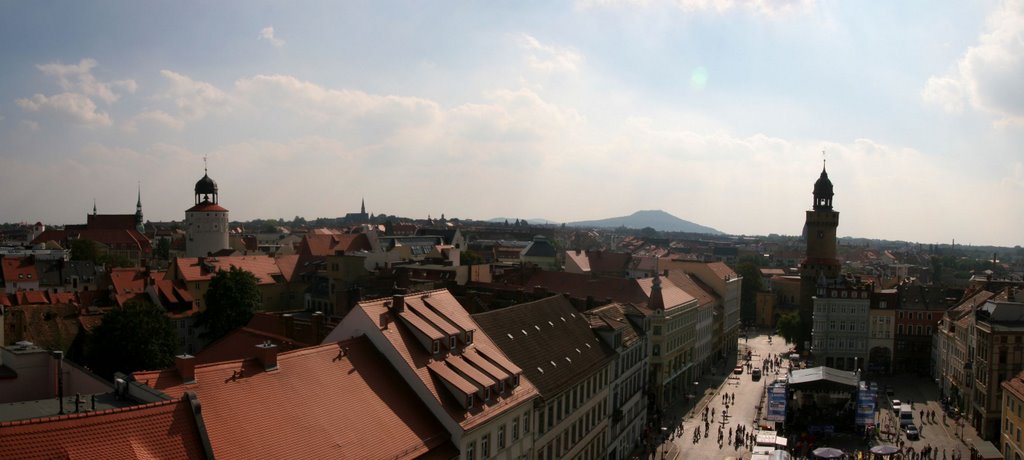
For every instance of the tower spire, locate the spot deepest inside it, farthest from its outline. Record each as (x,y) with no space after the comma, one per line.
(205,172)
(362,206)
(94,206)
(138,204)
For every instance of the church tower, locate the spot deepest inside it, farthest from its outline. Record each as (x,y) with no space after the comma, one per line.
(821,262)
(138,213)
(206,223)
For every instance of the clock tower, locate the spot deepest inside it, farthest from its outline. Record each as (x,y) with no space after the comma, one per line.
(821,262)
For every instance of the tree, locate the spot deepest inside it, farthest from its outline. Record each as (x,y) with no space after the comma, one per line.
(231,300)
(789,327)
(84,250)
(748,290)
(137,337)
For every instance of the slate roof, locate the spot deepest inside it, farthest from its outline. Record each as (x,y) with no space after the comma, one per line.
(110,221)
(161,430)
(539,247)
(339,400)
(549,340)
(59,273)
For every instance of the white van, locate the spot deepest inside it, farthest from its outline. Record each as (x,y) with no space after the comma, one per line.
(906,416)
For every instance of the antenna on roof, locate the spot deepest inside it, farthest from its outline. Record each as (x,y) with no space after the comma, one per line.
(204,164)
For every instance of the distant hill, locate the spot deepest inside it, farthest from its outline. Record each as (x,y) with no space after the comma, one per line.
(534,221)
(656,219)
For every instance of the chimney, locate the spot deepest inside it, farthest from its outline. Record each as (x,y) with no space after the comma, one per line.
(397,303)
(186,365)
(288,324)
(318,326)
(266,353)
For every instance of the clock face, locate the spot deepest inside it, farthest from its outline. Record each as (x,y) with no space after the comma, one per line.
(821,233)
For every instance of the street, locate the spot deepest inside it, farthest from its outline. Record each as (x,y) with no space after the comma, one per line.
(744,412)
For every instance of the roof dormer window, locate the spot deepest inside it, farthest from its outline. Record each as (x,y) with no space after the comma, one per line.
(452,342)
(469,337)
(469,401)
(436,348)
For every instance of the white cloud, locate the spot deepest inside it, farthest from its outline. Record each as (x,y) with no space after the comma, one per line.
(267,33)
(79,78)
(155,118)
(767,8)
(28,125)
(988,75)
(73,106)
(194,99)
(548,58)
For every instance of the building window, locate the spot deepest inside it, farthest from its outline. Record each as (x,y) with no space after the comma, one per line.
(437,347)
(485,446)
(501,437)
(526,422)
(515,429)
(471,450)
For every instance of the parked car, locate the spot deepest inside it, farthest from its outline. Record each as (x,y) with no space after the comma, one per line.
(912,432)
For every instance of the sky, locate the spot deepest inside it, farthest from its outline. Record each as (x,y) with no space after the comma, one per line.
(720,112)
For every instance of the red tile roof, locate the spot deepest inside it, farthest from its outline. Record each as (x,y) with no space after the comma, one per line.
(20,270)
(206,206)
(317,245)
(241,344)
(672,294)
(161,430)
(722,270)
(340,400)
(31,298)
(433,369)
(583,285)
(693,286)
(110,221)
(264,267)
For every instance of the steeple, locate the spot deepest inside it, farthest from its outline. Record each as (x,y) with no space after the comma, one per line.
(656,302)
(138,211)
(823,191)
(94,206)
(362,206)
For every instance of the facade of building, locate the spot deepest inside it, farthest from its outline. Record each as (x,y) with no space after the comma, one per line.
(1010,441)
(572,370)
(624,329)
(882,331)
(673,320)
(953,342)
(206,223)
(999,355)
(840,324)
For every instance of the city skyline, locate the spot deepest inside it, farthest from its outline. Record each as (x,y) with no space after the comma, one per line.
(715,111)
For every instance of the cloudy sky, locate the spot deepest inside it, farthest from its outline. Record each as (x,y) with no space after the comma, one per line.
(716,111)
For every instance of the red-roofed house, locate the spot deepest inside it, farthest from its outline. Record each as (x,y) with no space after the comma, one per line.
(673,314)
(338,400)
(270,272)
(165,430)
(19,274)
(470,385)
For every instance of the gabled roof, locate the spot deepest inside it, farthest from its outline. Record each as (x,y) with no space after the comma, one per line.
(549,339)
(164,430)
(265,268)
(130,283)
(110,221)
(539,247)
(19,269)
(583,285)
(722,270)
(693,286)
(319,245)
(435,370)
(673,296)
(241,344)
(339,400)
(580,259)
(613,316)
(969,304)
(609,262)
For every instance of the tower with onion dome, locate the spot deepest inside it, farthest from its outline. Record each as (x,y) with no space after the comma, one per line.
(206,223)
(821,263)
